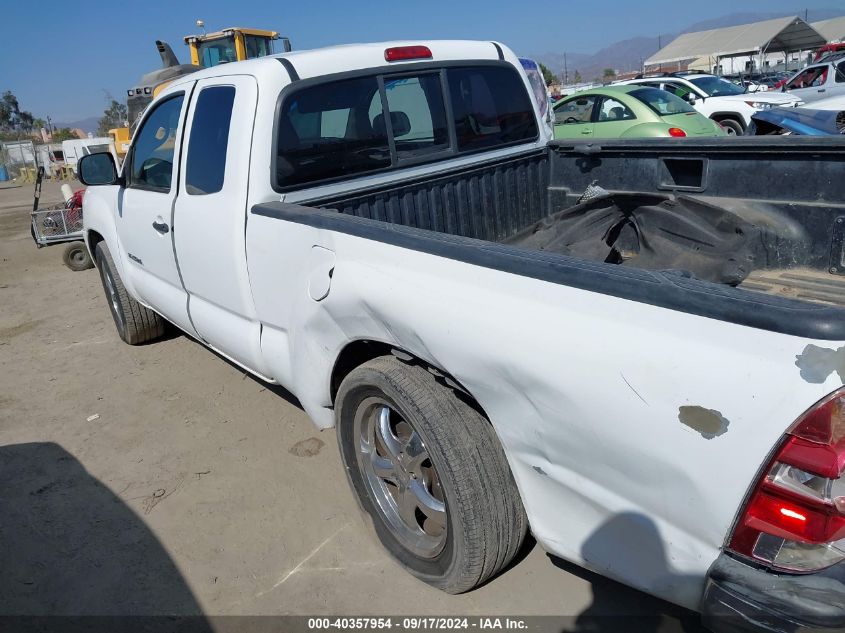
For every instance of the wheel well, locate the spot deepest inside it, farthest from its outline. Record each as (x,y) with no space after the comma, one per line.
(359,352)
(724,116)
(354,355)
(94,238)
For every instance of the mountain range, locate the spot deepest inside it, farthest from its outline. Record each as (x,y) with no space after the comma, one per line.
(627,55)
(89,124)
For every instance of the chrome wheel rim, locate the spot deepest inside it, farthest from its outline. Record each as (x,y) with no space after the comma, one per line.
(401,478)
(114,300)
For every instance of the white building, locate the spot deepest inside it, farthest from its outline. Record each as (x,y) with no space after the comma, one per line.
(769,45)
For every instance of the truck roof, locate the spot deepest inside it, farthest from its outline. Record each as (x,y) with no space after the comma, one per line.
(349,57)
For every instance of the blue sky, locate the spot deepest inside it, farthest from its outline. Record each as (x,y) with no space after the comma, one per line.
(61,60)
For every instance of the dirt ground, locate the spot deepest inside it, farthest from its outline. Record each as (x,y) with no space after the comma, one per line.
(162,479)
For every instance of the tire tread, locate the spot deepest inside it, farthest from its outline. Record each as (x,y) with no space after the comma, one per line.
(142,324)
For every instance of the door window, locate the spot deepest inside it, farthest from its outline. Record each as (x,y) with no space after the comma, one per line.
(679,90)
(217,51)
(840,73)
(613,110)
(257,46)
(809,78)
(151,166)
(575,110)
(206,164)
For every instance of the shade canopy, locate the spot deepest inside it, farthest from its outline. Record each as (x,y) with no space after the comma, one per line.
(772,36)
(832,30)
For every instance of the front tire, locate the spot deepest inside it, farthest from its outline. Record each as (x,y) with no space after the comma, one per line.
(429,470)
(135,323)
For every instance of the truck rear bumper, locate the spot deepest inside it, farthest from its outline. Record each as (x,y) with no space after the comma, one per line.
(741,598)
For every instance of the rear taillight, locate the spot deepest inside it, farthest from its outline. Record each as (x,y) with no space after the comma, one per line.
(794,519)
(677,132)
(404,53)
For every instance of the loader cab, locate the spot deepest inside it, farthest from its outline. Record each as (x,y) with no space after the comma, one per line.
(232,45)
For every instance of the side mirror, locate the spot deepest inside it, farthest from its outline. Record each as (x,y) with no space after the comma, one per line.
(97,169)
(691,98)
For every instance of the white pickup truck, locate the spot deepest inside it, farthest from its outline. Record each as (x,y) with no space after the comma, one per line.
(636,350)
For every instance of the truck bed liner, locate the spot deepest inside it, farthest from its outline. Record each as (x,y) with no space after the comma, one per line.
(799,283)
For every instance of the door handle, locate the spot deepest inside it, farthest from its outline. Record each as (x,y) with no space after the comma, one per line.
(823,90)
(161,227)
(586,131)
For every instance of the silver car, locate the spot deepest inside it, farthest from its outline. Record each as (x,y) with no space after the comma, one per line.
(818,81)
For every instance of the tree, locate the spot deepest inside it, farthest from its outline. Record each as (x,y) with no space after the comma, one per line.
(63,134)
(548,75)
(113,116)
(26,121)
(577,79)
(609,73)
(9,109)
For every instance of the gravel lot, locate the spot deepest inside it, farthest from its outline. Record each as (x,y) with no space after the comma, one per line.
(162,479)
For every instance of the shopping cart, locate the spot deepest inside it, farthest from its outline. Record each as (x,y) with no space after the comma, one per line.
(61,223)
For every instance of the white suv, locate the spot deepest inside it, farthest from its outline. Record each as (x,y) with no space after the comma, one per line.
(714,97)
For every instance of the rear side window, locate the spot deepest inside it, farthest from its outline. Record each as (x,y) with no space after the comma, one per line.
(491,107)
(206,165)
(354,126)
(662,102)
(613,110)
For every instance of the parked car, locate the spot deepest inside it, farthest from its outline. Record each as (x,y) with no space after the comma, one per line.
(829,103)
(798,121)
(645,370)
(828,50)
(717,98)
(629,112)
(749,83)
(819,81)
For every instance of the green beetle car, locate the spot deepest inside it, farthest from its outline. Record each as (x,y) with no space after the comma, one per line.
(631,111)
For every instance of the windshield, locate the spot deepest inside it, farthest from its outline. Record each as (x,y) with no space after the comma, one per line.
(217,51)
(716,86)
(662,102)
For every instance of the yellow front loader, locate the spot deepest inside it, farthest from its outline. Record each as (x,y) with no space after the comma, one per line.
(207,49)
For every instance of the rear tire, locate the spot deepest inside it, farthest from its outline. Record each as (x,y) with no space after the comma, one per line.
(732,127)
(431,473)
(76,257)
(135,323)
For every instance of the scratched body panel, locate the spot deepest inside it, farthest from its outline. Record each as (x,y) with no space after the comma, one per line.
(609,410)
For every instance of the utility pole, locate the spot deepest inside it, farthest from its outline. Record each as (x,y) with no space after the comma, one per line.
(565,71)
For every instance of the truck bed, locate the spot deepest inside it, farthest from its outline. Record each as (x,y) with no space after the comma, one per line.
(754,216)
(803,284)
